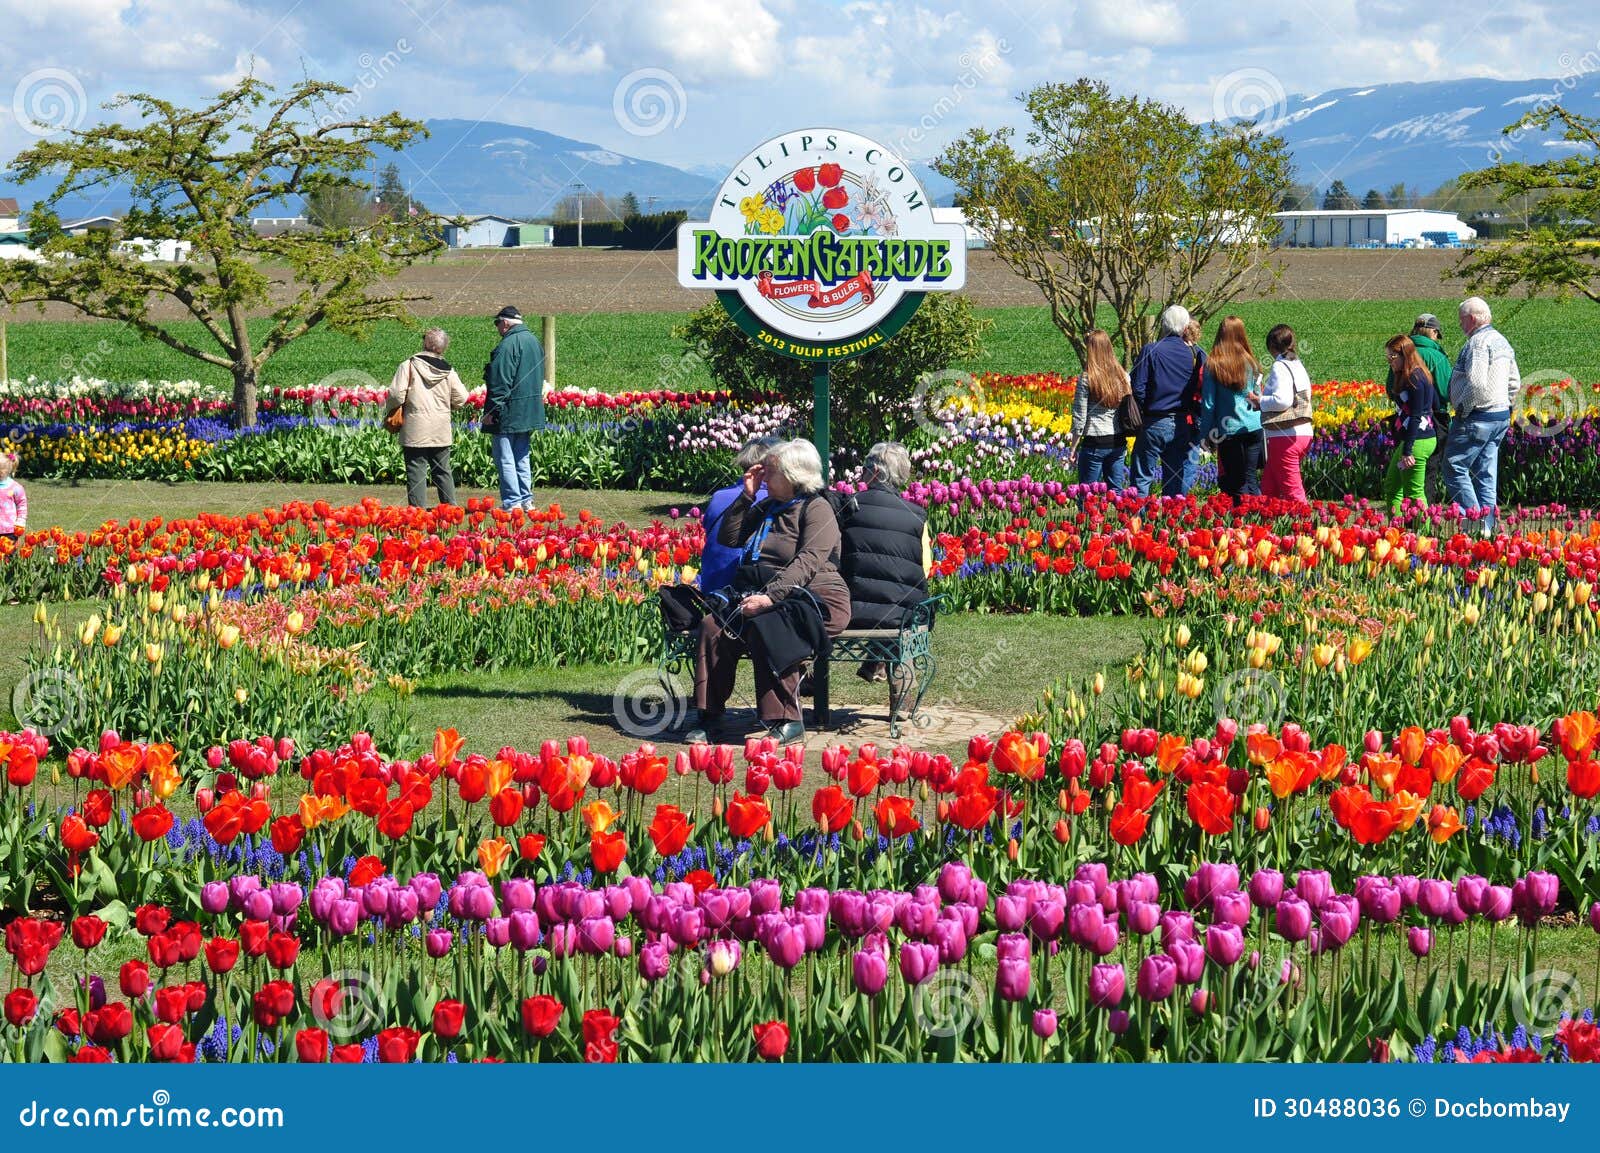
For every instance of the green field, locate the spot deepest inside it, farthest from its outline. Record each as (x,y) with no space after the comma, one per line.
(1340,340)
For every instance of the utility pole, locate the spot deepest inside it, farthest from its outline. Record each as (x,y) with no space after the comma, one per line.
(581,189)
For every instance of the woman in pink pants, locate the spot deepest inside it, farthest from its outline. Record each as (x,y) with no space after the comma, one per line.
(1285,401)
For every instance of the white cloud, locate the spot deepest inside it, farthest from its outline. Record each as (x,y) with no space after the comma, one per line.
(1147,22)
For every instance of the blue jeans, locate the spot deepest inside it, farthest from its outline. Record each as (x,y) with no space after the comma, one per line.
(1472,461)
(1165,446)
(516,473)
(1103,464)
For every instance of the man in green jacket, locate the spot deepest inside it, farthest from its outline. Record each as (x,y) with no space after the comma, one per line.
(513,405)
(1425,335)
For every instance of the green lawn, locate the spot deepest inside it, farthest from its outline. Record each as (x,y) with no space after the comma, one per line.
(616,351)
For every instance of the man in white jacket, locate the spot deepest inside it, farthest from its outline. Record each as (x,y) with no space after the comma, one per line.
(1483,391)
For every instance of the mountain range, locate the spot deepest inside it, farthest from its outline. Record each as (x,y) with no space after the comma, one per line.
(1421,134)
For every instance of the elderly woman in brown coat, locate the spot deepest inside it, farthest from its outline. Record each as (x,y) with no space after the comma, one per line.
(789,545)
(424,391)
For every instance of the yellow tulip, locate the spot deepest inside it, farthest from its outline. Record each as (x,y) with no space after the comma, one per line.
(113,634)
(295,622)
(228,636)
(152,653)
(241,695)
(1183,636)
(156,601)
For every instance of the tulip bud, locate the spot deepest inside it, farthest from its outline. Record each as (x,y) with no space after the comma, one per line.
(1063,833)
(1262,819)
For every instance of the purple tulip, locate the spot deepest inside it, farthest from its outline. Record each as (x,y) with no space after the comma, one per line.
(688,926)
(497,931)
(1105,942)
(639,891)
(258,906)
(516,895)
(427,888)
(524,930)
(1338,917)
(655,961)
(1107,985)
(619,901)
(1012,978)
(241,886)
(1266,888)
(1498,902)
(214,898)
(810,901)
(343,916)
(1190,960)
(1143,916)
(1225,944)
(437,942)
(1010,914)
(596,935)
(786,943)
(1118,1021)
(870,970)
(1158,976)
(1535,896)
(402,908)
(1199,1002)
(918,961)
(1233,907)
(950,937)
(766,896)
(1594,916)
(1313,886)
(1292,918)
(849,912)
(1420,939)
(623,948)
(1380,900)
(916,918)
(1209,880)
(815,927)
(1433,897)
(1044,1023)
(1410,888)
(1095,873)
(1176,925)
(1470,892)
(954,879)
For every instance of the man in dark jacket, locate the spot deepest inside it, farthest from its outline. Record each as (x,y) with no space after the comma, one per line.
(1166,387)
(513,405)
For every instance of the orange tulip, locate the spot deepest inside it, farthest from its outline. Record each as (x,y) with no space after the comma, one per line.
(1169,751)
(747,816)
(1578,733)
(1334,758)
(1211,807)
(1443,761)
(1443,823)
(499,773)
(669,830)
(1128,824)
(1263,748)
(1407,808)
(493,853)
(1017,755)
(1382,769)
(895,818)
(447,743)
(598,816)
(1410,745)
(122,765)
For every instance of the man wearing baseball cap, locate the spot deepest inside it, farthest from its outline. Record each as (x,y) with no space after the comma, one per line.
(1425,333)
(513,405)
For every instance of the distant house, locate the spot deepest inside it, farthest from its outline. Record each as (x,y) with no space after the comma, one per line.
(1373,228)
(484,232)
(10,215)
(976,237)
(91,224)
(279,225)
(168,251)
(14,246)
(535,235)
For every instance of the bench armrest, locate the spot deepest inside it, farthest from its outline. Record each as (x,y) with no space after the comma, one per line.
(920,615)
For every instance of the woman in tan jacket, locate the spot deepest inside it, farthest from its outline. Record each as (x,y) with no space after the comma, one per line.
(425,389)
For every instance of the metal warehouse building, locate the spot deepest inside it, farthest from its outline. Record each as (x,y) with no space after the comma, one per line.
(1372,228)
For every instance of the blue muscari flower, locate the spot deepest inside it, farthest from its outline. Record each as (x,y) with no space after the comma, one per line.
(1471,812)
(369,1051)
(586,877)
(1447,1052)
(1541,822)
(1593,827)
(450,1058)
(346,865)
(1566,812)
(566,872)
(1519,1037)
(267,1046)
(660,874)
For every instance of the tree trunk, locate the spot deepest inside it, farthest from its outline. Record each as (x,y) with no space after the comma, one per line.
(244,395)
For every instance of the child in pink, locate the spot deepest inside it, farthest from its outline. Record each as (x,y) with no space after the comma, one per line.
(13,500)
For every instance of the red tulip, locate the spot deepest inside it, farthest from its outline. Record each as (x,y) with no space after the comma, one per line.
(221,954)
(21,1004)
(253,936)
(134,979)
(171,1003)
(829,175)
(398,1045)
(541,1015)
(805,179)
(87,931)
(166,1041)
(669,830)
(448,1017)
(349,1054)
(599,1033)
(772,1039)
(311,1046)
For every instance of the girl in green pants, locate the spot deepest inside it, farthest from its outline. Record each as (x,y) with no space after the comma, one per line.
(1415,429)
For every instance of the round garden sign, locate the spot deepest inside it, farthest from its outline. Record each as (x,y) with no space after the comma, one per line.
(821,244)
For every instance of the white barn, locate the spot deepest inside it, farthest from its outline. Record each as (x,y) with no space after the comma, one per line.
(484,232)
(1372,228)
(976,237)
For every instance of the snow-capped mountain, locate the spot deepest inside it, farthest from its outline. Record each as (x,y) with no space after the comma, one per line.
(1424,133)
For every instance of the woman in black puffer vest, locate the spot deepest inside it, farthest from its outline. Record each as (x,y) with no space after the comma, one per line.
(884,555)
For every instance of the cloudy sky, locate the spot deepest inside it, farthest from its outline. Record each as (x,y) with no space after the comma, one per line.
(695,82)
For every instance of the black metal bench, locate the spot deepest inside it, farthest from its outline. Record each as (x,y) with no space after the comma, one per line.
(906,651)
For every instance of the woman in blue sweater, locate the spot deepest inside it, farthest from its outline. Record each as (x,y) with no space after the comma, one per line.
(718,561)
(1229,423)
(1416,430)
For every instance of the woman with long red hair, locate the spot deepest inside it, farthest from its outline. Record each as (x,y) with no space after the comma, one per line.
(1416,431)
(1097,441)
(1229,423)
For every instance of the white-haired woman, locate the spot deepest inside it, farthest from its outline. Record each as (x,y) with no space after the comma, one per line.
(1166,385)
(425,389)
(789,557)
